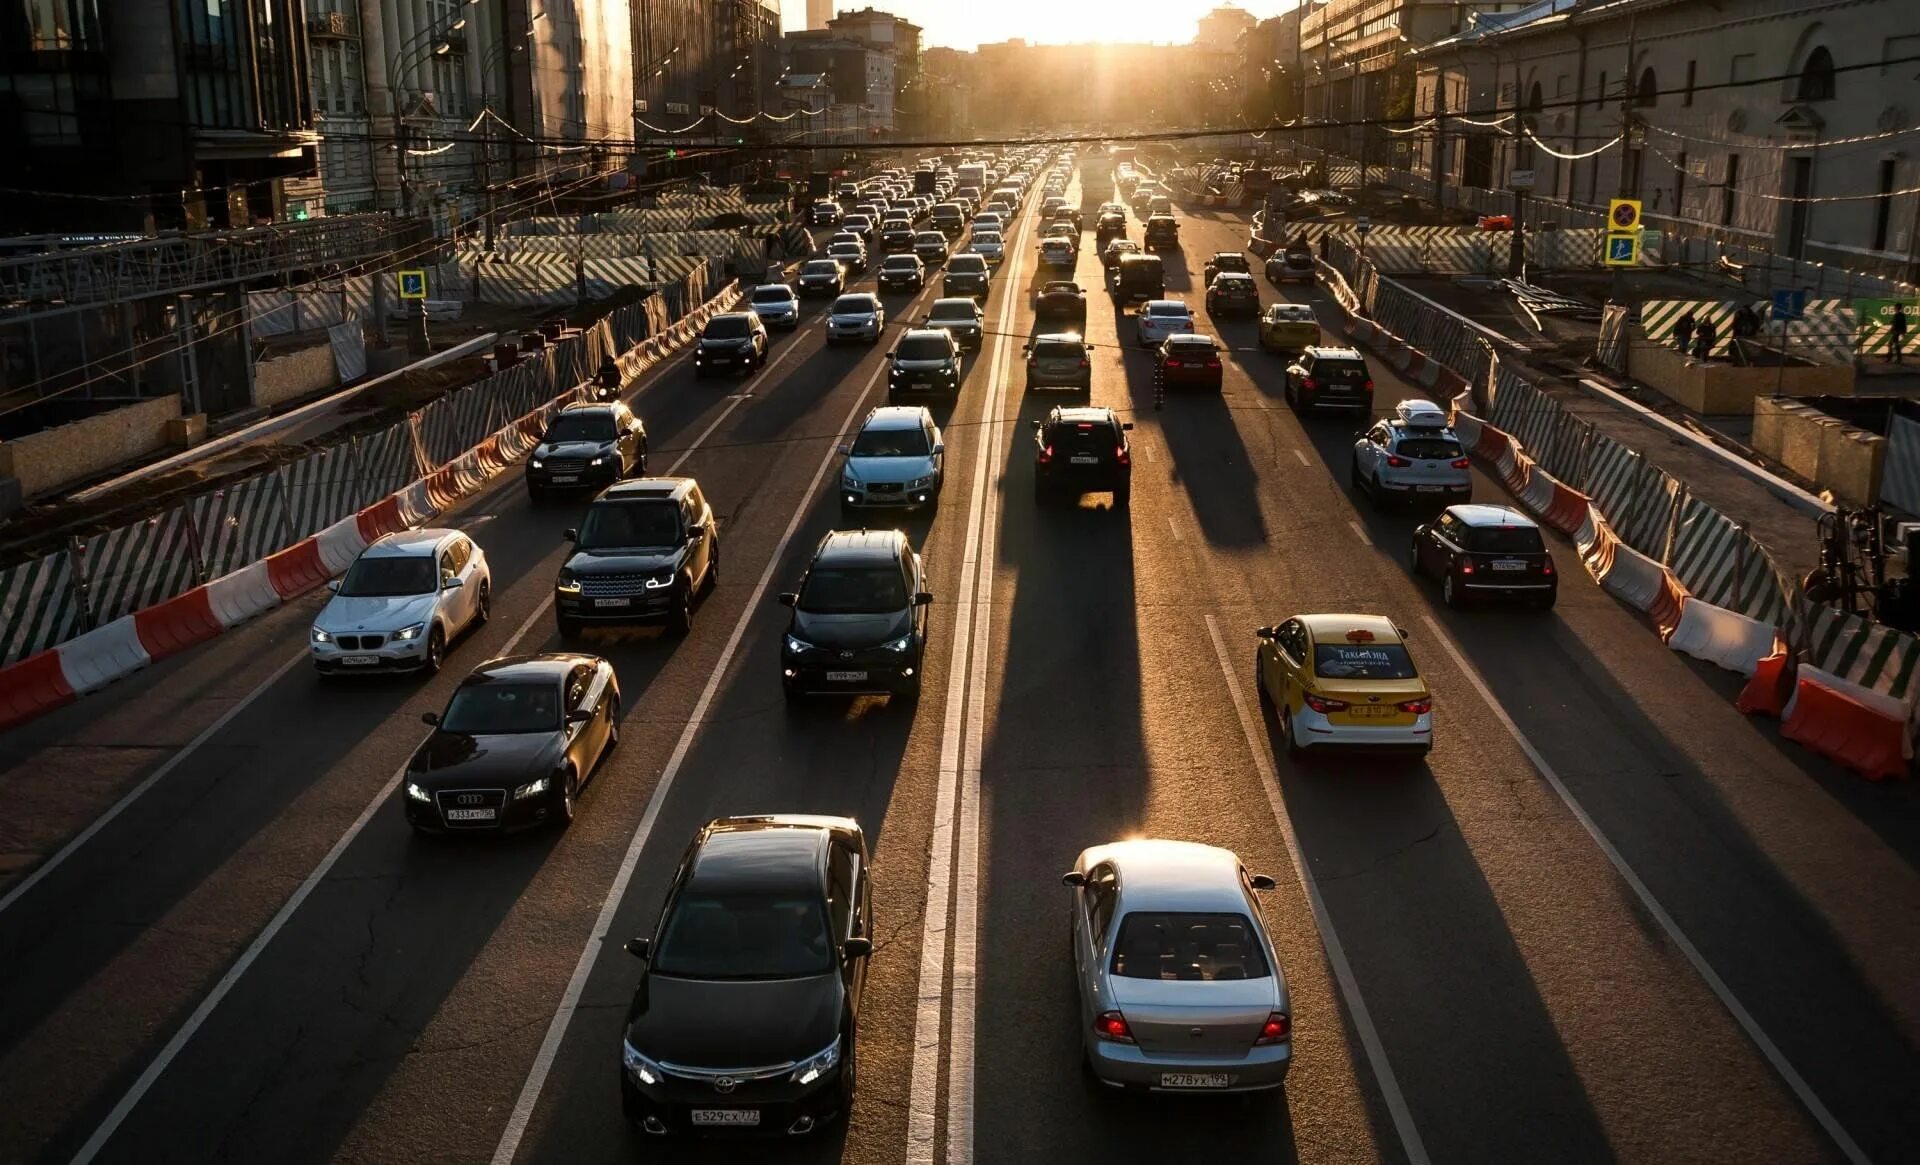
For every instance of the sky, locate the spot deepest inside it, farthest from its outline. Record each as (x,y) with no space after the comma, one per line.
(966,25)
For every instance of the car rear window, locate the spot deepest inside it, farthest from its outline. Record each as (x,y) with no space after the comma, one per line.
(925,348)
(1505,539)
(1340,371)
(1057,350)
(727,328)
(1082,437)
(1187,946)
(1429,448)
(1362,661)
(1192,345)
(1167,309)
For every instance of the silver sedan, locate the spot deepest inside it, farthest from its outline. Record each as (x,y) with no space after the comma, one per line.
(1180,990)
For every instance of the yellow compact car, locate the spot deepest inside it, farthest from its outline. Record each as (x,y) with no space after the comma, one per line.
(1288,327)
(1344,681)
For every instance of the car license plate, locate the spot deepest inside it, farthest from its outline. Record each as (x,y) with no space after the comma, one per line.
(1195,1079)
(472,814)
(1430,489)
(613,602)
(1373,711)
(565,478)
(846,677)
(359,660)
(1084,459)
(720,359)
(1509,564)
(729,1117)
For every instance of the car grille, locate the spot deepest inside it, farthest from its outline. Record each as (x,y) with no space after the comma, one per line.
(359,642)
(611,586)
(495,799)
(883,487)
(565,465)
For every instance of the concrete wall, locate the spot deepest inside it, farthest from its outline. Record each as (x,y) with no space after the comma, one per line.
(1718,388)
(294,375)
(1833,455)
(60,456)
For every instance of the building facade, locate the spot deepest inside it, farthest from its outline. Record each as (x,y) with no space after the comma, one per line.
(1782,124)
(893,63)
(1220,82)
(134,102)
(1270,69)
(860,76)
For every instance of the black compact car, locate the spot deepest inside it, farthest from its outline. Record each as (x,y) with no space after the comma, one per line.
(821,277)
(896,240)
(902,273)
(1082,450)
(745,1015)
(960,318)
(926,360)
(1233,293)
(1111,224)
(967,274)
(1486,552)
(1162,233)
(519,739)
(731,341)
(587,446)
(931,247)
(859,623)
(1137,278)
(644,552)
(1061,299)
(1325,377)
(1224,261)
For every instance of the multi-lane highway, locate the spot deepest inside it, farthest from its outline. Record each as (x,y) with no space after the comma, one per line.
(1607,918)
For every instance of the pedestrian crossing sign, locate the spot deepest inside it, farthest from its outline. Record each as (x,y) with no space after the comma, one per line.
(1623,250)
(413,284)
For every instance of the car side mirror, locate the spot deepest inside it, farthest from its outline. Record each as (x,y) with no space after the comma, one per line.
(579,715)
(787,598)
(1268,633)
(856,948)
(1073,878)
(640,948)
(333,584)
(1262,881)
(570,535)
(939,447)
(843,450)
(453,584)
(922,598)
(432,718)
(1126,426)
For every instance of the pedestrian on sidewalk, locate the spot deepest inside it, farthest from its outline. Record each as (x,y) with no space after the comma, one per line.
(1897,329)
(1683,331)
(1746,322)
(1704,338)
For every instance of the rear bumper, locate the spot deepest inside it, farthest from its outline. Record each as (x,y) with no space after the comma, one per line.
(1421,491)
(1316,731)
(1320,400)
(1128,1066)
(1521,591)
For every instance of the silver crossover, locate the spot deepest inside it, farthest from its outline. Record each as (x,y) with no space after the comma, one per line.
(1180,990)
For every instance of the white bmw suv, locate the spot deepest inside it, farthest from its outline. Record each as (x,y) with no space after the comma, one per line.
(401,602)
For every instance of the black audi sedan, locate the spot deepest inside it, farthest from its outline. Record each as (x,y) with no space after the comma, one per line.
(643,554)
(745,1015)
(519,739)
(859,623)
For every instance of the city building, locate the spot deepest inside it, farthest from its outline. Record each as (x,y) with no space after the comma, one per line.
(945,92)
(195,113)
(1270,68)
(747,46)
(861,75)
(1781,124)
(893,64)
(1217,52)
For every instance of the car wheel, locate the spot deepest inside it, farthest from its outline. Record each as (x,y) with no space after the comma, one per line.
(1294,749)
(436,650)
(1260,682)
(680,621)
(483,609)
(1545,604)
(1413,559)
(569,629)
(564,798)
(1450,591)
(613,726)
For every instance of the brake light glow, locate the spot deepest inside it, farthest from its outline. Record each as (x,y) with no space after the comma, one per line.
(1466,566)
(1368,385)
(1046,454)
(1307,383)
(1111,1025)
(1213,364)
(1418,707)
(1397,462)
(1322,704)
(1547,567)
(1463,463)
(1277,1028)
(1085,426)
(1121,455)
(1172,363)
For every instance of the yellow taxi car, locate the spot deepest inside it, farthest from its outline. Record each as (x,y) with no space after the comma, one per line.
(1288,327)
(1344,681)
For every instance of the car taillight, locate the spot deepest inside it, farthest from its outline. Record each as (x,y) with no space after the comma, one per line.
(1046,454)
(1111,1025)
(1368,385)
(1466,566)
(1397,462)
(1121,456)
(1463,463)
(1172,363)
(1276,1029)
(1547,567)
(1307,383)
(1322,704)
(1085,363)
(1417,707)
(1213,364)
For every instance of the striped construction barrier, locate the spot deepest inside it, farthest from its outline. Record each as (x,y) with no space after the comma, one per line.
(38,605)
(1824,332)
(1724,638)
(1856,649)
(1860,729)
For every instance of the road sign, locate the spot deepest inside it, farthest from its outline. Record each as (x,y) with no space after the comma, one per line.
(1623,214)
(413,284)
(1623,250)
(1789,303)
(1520,180)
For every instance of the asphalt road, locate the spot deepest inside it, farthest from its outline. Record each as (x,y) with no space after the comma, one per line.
(1608,918)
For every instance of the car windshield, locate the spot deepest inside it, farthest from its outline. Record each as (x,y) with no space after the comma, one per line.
(969,263)
(823,267)
(925,348)
(773,295)
(930,239)
(1362,661)
(1187,946)
(1429,448)
(891,443)
(388,575)
(1505,539)
(853,590)
(503,709)
(954,312)
(630,525)
(594,426)
(745,936)
(901,263)
(728,328)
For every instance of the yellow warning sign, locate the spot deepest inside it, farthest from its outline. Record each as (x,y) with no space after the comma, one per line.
(1623,214)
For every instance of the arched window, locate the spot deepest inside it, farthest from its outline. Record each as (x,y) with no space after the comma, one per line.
(1816,77)
(1647,93)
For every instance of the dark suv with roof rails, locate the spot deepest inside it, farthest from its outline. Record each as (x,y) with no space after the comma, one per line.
(644,552)
(1079,450)
(587,446)
(859,624)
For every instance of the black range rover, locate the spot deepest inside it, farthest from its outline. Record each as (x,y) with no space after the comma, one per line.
(643,553)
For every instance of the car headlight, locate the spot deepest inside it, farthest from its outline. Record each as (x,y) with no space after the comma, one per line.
(798,646)
(416,793)
(817,1065)
(320,636)
(568,581)
(849,481)
(920,482)
(531,789)
(410,633)
(534,463)
(597,461)
(660,581)
(638,1066)
(900,644)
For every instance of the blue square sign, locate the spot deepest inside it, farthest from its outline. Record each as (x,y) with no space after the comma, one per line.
(1623,250)
(1789,303)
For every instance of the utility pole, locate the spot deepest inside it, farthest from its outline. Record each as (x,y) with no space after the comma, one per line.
(1439,134)
(1627,135)
(1522,152)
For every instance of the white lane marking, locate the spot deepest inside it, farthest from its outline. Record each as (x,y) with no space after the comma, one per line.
(1359,531)
(1302,457)
(733,402)
(1175,528)
(956,826)
(1788,1074)
(523,1107)
(228,981)
(653,376)
(1356,1005)
(20,889)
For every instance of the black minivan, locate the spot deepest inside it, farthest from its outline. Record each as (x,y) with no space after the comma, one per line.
(1137,278)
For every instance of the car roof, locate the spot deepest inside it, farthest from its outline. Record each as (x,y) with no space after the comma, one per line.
(739,854)
(957,301)
(733,315)
(593,406)
(646,487)
(859,546)
(1233,277)
(823,263)
(1179,303)
(1322,351)
(773,287)
(888,418)
(409,543)
(928,334)
(1174,875)
(1486,515)
(1330,627)
(521,668)
(1191,339)
(1082,414)
(867,298)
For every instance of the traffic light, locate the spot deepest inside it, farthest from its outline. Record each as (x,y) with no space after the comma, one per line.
(672,152)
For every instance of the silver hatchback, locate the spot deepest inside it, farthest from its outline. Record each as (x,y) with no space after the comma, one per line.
(1180,989)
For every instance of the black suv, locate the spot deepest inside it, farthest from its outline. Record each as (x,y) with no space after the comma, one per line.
(1082,450)
(859,621)
(587,446)
(1329,378)
(1224,261)
(966,275)
(926,360)
(1162,233)
(744,1016)
(642,554)
(1486,552)
(731,340)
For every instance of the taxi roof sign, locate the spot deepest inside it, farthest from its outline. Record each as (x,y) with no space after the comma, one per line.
(1623,214)
(1359,635)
